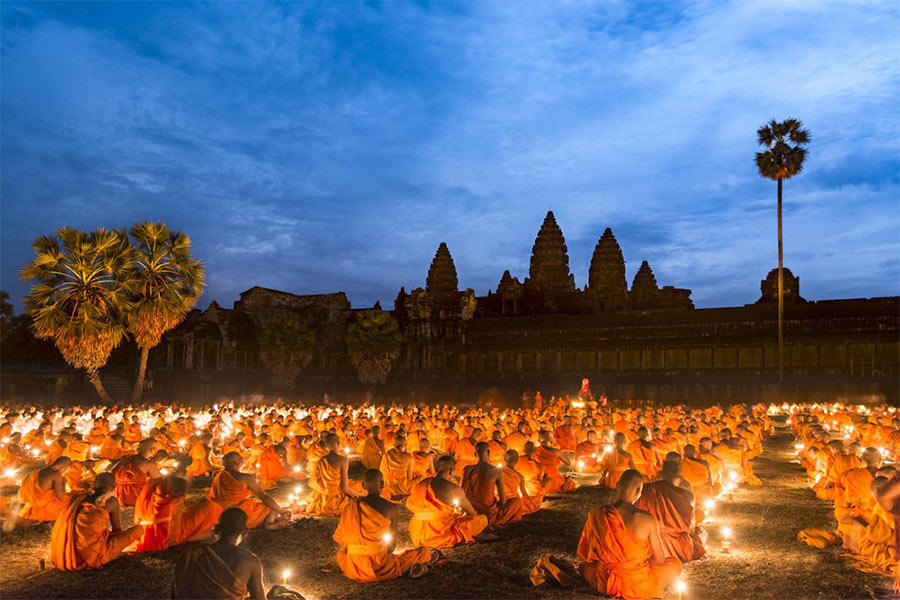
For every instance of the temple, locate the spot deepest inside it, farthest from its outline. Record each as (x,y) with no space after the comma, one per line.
(543,333)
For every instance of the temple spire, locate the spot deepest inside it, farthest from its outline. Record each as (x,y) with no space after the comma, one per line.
(442,273)
(606,277)
(549,271)
(644,289)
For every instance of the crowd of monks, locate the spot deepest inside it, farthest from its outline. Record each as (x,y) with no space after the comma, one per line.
(850,455)
(463,473)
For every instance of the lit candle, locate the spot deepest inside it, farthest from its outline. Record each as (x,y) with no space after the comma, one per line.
(580,465)
(680,587)
(296,468)
(387,537)
(347,450)
(284,576)
(726,542)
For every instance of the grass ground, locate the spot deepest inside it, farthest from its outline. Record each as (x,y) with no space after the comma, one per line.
(766,560)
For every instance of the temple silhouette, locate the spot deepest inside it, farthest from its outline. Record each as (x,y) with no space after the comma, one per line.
(645,341)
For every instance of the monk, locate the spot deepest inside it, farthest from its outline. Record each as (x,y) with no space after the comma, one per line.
(167,518)
(367,535)
(615,462)
(80,538)
(232,488)
(373,449)
(272,470)
(621,548)
(671,503)
(329,483)
(465,451)
(644,455)
(514,485)
(199,453)
(854,498)
(517,439)
(733,452)
(423,460)
(397,468)
(550,458)
(134,471)
(222,569)
(588,454)
(698,475)
(442,515)
(43,492)
(483,485)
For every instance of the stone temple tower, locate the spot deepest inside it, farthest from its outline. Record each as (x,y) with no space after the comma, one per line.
(441,282)
(607,288)
(549,272)
(644,289)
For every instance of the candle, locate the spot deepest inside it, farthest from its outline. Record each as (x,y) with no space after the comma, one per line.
(580,465)
(387,537)
(726,542)
(284,576)
(680,587)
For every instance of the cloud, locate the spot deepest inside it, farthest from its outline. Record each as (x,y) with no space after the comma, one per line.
(315,148)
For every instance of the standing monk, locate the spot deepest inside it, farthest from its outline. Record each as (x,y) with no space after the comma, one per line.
(43,492)
(134,471)
(442,515)
(80,538)
(367,535)
(223,569)
(231,488)
(480,482)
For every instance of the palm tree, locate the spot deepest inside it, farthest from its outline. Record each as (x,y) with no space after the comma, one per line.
(164,282)
(286,347)
(79,299)
(373,342)
(782,160)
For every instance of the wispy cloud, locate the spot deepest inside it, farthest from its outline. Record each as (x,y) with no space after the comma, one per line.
(315,148)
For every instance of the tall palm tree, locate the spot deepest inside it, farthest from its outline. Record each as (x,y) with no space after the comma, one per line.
(79,299)
(373,342)
(164,282)
(784,157)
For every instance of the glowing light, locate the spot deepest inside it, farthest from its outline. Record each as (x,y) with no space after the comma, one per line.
(733,475)
(95,449)
(164,471)
(709,504)
(387,538)
(298,489)
(680,587)
(499,465)
(607,449)
(9,473)
(726,532)
(296,468)
(580,464)
(346,449)
(284,576)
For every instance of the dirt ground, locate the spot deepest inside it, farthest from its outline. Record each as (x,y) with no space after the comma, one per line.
(766,560)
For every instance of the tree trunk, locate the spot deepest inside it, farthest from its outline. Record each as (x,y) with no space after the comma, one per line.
(138,390)
(780,296)
(94,378)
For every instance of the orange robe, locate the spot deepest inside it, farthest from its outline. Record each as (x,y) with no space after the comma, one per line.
(364,554)
(371,454)
(271,469)
(112,449)
(565,438)
(550,462)
(586,457)
(731,459)
(612,467)
(168,520)
(38,504)
(481,493)
(201,573)
(516,441)
(129,480)
(435,524)
(617,563)
(423,465)
(533,473)
(645,459)
(698,476)
(465,456)
(674,514)
(855,499)
(226,491)
(512,479)
(200,464)
(80,539)
(326,498)
(395,468)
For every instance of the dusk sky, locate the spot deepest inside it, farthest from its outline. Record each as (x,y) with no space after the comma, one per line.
(314,148)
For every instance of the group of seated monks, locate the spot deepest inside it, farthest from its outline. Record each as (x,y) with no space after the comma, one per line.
(473,472)
(843,450)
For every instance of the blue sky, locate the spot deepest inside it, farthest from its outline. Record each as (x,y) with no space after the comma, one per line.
(322,147)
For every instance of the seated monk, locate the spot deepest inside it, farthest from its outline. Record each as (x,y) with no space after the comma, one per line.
(199,453)
(465,451)
(888,497)
(231,488)
(272,470)
(517,439)
(373,449)
(564,436)
(535,481)
(697,473)
(134,471)
(587,454)
(644,455)
(442,515)
(483,485)
(80,538)
(423,460)
(855,498)
(550,458)
(733,452)
(397,468)
(329,484)
(167,518)
(498,447)
(622,552)
(671,503)
(514,485)
(716,466)
(43,492)
(876,548)
(615,462)
(113,447)
(367,535)
(221,570)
